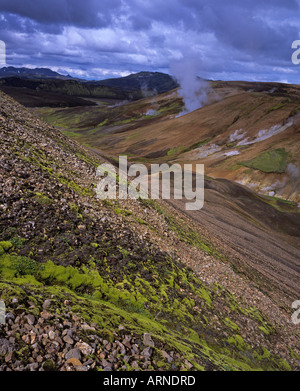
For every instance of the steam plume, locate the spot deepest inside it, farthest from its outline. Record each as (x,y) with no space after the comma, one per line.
(193,90)
(293,171)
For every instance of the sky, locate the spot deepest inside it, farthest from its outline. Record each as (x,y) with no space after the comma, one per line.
(97,39)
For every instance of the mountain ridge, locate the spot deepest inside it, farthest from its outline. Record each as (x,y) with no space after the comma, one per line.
(32,91)
(31,73)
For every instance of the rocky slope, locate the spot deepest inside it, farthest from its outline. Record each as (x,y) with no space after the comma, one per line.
(116,285)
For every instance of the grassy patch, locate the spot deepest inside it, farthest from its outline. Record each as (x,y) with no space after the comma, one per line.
(249,110)
(281,204)
(278,106)
(42,198)
(270,161)
(174,151)
(197,145)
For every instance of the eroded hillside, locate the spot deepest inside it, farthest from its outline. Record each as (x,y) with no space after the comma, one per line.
(247,132)
(117,285)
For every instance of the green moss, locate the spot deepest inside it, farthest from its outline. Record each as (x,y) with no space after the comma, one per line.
(17,242)
(278,106)
(197,145)
(266,353)
(284,365)
(2,251)
(39,158)
(266,330)
(70,276)
(88,159)
(231,324)
(49,365)
(27,280)
(25,266)
(231,340)
(124,212)
(249,110)
(109,315)
(270,161)
(281,204)
(204,293)
(108,335)
(163,365)
(42,198)
(98,127)
(123,251)
(9,291)
(156,295)
(125,121)
(6,245)
(141,221)
(72,185)
(175,151)
(75,208)
(295,354)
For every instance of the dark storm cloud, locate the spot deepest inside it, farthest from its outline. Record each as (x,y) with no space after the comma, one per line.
(236,23)
(87,13)
(230,38)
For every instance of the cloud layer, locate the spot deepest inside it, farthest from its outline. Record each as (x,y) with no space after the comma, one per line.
(249,40)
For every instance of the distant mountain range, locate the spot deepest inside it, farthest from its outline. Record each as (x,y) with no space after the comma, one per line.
(25,84)
(148,82)
(156,82)
(28,73)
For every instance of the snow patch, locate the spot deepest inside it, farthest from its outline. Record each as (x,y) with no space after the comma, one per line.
(231,153)
(151,112)
(236,135)
(293,171)
(264,134)
(123,102)
(207,150)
